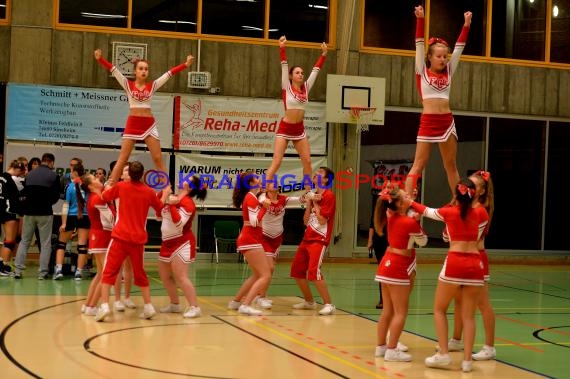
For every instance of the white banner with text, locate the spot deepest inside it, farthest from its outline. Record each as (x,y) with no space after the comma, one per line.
(211,123)
(221,172)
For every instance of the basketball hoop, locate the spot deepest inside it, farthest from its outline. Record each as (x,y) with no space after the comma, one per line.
(362,117)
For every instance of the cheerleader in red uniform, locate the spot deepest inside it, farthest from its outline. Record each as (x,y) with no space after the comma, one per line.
(178,247)
(396,270)
(319,221)
(102,217)
(129,236)
(249,243)
(140,125)
(272,229)
(484,197)
(295,91)
(433,77)
(462,270)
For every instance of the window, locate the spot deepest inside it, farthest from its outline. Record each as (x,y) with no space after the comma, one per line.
(94,12)
(557,207)
(447,19)
(168,15)
(517,169)
(240,18)
(389,24)
(392,25)
(299,20)
(560,33)
(3,7)
(518,29)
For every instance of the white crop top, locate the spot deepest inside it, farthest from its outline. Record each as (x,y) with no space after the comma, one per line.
(292,98)
(436,85)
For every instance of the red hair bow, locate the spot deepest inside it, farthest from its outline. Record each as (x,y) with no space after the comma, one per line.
(434,40)
(463,189)
(486,175)
(385,195)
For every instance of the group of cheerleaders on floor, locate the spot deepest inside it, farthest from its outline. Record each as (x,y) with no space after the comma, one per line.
(466,218)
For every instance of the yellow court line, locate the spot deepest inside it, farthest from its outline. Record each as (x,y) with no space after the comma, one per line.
(303,344)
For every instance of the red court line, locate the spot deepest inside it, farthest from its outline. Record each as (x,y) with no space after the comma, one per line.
(534,325)
(355,357)
(520,345)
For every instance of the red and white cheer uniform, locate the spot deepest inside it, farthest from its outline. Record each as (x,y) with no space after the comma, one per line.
(140,127)
(310,253)
(463,268)
(403,232)
(250,236)
(431,85)
(295,99)
(272,223)
(176,228)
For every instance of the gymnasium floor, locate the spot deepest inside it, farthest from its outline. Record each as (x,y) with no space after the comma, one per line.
(44,335)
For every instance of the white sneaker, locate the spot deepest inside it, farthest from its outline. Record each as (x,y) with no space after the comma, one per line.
(247,310)
(264,303)
(486,353)
(192,312)
(328,309)
(118,306)
(402,347)
(455,345)
(452,345)
(90,311)
(380,351)
(467,366)
(83,308)
(395,355)
(129,303)
(103,312)
(305,305)
(148,312)
(438,360)
(171,308)
(234,305)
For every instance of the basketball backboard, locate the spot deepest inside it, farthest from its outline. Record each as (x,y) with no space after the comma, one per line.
(344,92)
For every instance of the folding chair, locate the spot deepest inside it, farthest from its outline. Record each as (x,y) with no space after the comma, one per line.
(225,234)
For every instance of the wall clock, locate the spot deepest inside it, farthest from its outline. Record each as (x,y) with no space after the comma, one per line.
(123,55)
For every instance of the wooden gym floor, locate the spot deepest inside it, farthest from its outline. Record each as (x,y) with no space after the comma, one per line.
(43,333)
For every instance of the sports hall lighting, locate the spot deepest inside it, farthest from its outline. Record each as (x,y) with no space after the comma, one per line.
(555,11)
(318,6)
(176,22)
(102,15)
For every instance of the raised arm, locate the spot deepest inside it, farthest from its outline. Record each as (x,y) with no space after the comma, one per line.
(116,73)
(173,71)
(460,44)
(317,67)
(420,40)
(284,64)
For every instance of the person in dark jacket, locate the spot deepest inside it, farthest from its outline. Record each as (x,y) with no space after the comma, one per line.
(41,192)
(9,213)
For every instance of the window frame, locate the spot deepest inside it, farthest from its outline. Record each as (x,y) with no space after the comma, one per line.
(487,58)
(333,5)
(6,20)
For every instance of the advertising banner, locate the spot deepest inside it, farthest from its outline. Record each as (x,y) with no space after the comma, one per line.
(63,115)
(211,123)
(221,172)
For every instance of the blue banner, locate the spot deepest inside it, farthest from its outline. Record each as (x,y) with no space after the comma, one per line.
(76,115)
